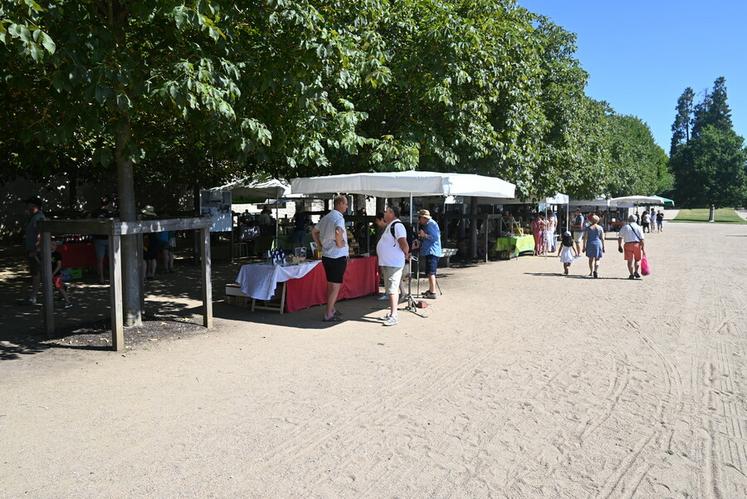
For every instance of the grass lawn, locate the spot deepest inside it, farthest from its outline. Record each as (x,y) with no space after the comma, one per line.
(723,215)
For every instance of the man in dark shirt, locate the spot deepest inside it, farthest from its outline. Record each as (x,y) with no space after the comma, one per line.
(31,243)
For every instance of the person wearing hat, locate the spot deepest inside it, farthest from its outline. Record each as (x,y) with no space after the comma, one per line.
(31,243)
(429,237)
(594,245)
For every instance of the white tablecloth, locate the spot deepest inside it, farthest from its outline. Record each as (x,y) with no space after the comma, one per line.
(259,280)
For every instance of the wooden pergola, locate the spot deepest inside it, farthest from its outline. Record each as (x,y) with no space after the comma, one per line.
(115,229)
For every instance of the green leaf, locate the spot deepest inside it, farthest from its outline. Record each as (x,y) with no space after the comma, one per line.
(48,43)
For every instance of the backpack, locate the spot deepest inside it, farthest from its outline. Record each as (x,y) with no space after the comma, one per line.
(408,230)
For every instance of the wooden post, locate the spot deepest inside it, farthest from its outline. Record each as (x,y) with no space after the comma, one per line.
(207,291)
(115,292)
(47,291)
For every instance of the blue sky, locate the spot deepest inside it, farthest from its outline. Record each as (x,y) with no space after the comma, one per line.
(640,55)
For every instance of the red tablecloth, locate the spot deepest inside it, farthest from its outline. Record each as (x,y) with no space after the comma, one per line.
(78,255)
(361,279)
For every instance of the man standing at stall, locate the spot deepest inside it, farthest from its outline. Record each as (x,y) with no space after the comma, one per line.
(330,235)
(430,249)
(393,251)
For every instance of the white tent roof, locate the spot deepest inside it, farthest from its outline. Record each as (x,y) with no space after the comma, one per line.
(598,202)
(558,198)
(631,201)
(401,184)
(246,187)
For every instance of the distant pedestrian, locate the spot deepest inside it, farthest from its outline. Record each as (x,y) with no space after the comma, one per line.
(101,242)
(578,229)
(31,244)
(151,245)
(566,251)
(429,243)
(594,245)
(645,221)
(631,235)
(660,221)
(57,281)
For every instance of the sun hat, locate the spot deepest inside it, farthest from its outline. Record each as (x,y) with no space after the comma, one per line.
(424,214)
(148,211)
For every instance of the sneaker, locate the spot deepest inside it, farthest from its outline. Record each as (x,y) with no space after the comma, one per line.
(68,305)
(391,321)
(631,276)
(430,295)
(595,274)
(383,297)
(386,317)
(637,275)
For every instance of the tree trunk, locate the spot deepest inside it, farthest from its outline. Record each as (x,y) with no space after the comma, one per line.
(131,252)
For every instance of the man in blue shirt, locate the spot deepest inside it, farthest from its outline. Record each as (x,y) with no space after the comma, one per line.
(430,249)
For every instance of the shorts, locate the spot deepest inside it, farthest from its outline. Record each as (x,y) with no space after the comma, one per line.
(392,277)
(335,268)
(57,281)
(431,264)
(578,236)
(633,251)
(102,247)
(34,264)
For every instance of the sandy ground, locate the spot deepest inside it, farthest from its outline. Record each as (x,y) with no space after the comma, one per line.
(520,383)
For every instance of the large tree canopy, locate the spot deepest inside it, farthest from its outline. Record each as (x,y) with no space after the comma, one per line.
(709,164)
(194,92)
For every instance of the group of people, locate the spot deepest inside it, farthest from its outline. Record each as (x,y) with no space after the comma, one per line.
(650,220)
(393,250)
(543,230)
(588,237)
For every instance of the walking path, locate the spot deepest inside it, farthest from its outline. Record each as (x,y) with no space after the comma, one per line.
(521,383)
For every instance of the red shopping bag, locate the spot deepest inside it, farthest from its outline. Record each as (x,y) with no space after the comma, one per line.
(645,267)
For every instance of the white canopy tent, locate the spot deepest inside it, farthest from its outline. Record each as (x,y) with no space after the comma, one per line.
(259,189)
(268,189)
(597,203)
(407,183)
(632,201)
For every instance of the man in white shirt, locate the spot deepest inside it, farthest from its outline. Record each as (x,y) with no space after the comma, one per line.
(632,235)
(393,251)
(330,235)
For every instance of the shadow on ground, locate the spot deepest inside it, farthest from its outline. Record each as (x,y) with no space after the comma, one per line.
(172,309)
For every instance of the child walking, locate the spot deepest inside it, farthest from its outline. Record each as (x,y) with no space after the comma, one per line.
(57,280)
(566,251)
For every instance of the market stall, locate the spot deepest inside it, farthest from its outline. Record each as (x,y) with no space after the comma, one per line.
(304,285)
